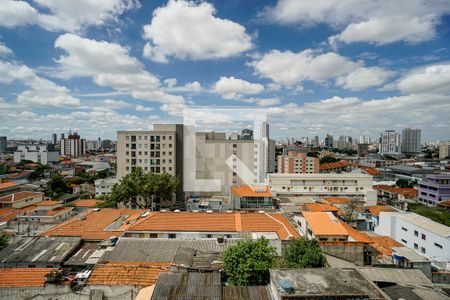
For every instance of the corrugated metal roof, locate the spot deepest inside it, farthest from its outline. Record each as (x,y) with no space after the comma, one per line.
(188,286)
(39,250)
(399,276)
(160,250)
(245,293)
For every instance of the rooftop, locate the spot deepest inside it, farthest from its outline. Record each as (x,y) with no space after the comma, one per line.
(375,209)
(160,250)
(18,197)
(22,277)
(85,203)
(251,191)
(394,275)
(7,185)
(127,273)
(39,250)
(383,244)
(324,223)
(48,203)
(327,282)
(334,165)
(315,207)
(95,225)
(407,192)
(337,200)
(216,222)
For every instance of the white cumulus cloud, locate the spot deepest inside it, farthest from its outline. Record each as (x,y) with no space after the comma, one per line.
(431,79)
(190,30)
(234,88)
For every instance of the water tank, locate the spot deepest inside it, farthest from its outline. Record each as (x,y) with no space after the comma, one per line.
(286,285)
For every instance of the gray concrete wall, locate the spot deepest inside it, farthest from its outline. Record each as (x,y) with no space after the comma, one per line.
(350,251)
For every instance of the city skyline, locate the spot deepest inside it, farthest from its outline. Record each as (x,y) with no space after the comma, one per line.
(315,68)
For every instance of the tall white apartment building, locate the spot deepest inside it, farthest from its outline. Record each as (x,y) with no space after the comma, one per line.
(73,145)
(39,153)
(158,151)
(324,184)
(390,142)
(416,232)
(411,139)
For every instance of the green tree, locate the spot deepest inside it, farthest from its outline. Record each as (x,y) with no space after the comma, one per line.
(147,187)
(328,159)
(404,183)
(303,253)
(248,262)
(56,186)
(3,241)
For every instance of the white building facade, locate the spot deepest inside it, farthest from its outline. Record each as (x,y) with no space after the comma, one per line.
(38,153)
(324,184)
(390,142)
(103,187)
(416,232)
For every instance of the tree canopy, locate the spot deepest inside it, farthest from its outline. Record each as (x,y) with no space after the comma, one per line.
(404,183)
(248,262)
(57,186)
(328,159)
(303,253)
(3,240)
(146,186)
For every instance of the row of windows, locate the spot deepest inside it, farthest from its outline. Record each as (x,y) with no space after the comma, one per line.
(416,233)
(152,146)
(152,161)
(153,138)
(152,153)
(154,169)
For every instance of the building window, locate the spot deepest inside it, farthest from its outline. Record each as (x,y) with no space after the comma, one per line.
(153,235)
(424,237)
(437,245)
(172,236)
(422,249)
(404,241)
(404,229)
(416,246)
(416,233)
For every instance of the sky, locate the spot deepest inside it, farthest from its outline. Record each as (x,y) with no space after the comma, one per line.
(345,67)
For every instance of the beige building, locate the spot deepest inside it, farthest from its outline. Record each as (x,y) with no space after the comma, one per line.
(158,151)
(298,163)
(324,184)
(221,163)
(20,199)
(444,150)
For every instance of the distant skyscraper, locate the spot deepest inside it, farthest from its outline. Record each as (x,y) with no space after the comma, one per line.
(246,134)
(54,139)
(3,144)
(411,141)
(265,130)
(328,143)
(315,142)
(62,135)
(73,146)
(390,142)
(364,139)
(444,149)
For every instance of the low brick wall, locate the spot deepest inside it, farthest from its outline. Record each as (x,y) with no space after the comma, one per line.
(350,251)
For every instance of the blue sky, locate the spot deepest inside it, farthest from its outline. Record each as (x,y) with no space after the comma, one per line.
(346,67)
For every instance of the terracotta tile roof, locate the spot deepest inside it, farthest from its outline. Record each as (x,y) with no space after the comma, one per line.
(375,209)
(127,273)
(445,203)
(86,202)
(355,234)
(251,191)
(7,185)
(370,171)
(91,225)
(407,192)
(319,207)
(334,165)
(7,214)
(56,211)
(47,203)
(19,175)
(337,200)
(18,196)
(323,223)
(383,244)
(215,222)
(23,277)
